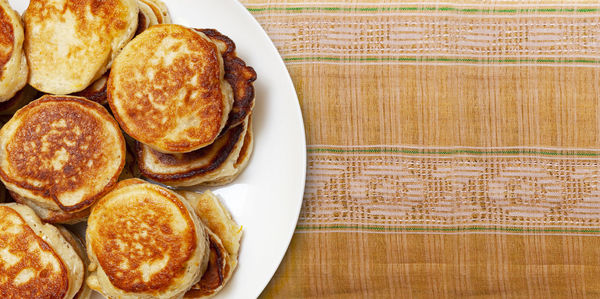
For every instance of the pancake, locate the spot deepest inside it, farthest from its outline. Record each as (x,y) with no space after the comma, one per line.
(160,11)
(70,44)
(240,76)
(214,162)
(20,99)
(225,235)
(145,241)
(61,152)
(13,64)
(36,261)
(167,89)
(84,292)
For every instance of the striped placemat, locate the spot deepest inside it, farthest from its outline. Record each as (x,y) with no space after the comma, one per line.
(453,147)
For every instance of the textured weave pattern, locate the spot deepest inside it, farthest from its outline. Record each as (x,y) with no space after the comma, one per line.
(454,147)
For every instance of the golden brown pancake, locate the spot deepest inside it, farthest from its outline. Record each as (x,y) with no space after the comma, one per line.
(20,99)
(70,44)
(225,235)
(167,89)
(61,152)
(13,64)
(36,261)
(240,76)
(145,241)
(205,165)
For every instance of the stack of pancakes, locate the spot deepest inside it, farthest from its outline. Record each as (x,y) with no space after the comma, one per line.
(75,77)
(146,241)
(187,99)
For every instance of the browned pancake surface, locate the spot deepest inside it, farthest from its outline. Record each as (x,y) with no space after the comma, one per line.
(61,147)
(145,81)
(130,232)
(29,267)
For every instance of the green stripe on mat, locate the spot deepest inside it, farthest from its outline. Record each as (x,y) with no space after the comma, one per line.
(449,229)
(452,152)
(453,9)
(441,59)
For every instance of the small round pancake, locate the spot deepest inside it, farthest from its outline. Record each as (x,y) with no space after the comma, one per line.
(145,241)
(205,165)
(36,261)
(70,44)
(225,235)
(240,76)
(13,64)
(167,89)
(62,152)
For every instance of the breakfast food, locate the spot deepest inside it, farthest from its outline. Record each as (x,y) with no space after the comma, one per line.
(181,104)
(61,154)
(221,161)
(36,261)
(167,89)
(13,64)
(212,163)
(70,44)
(145,241)
(225,235)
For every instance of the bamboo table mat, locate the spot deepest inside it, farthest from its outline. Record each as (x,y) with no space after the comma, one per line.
(453,147)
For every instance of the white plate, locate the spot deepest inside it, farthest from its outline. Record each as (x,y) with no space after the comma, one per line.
(266,198)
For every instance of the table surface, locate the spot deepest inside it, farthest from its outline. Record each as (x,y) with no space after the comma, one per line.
(453,147)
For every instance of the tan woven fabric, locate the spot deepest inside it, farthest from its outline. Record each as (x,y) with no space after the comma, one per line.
(453,147)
